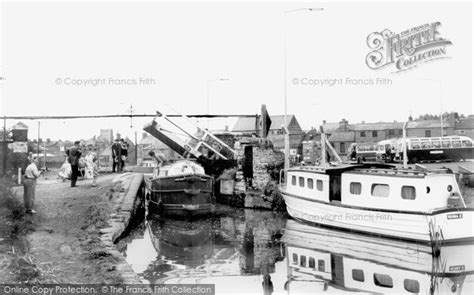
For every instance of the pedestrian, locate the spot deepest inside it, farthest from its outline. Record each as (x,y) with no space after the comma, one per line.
(74,156)
(95,171)
(65,172)
(124,155)
(116,156)
(29,185)
(89,161)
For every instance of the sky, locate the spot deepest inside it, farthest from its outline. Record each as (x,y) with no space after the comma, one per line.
(88,58)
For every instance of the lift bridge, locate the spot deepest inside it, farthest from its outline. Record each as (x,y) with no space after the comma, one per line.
(193,145)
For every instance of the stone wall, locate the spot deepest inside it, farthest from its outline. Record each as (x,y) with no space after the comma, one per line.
(265,160)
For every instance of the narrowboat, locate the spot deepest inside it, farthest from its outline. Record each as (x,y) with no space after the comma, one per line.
(378,199)
(181,190)
(328,260)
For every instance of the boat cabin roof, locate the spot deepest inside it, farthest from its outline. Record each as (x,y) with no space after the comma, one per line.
(339,168)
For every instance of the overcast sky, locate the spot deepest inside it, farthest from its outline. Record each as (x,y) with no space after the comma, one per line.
(172,53)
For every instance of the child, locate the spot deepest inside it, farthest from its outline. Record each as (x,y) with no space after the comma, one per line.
(95,171)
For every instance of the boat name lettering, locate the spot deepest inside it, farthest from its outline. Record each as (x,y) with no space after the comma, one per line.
(457,268)
(455,216)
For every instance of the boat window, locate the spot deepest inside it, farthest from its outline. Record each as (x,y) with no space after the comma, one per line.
(311,262)
(321,265)
(415,145)
(456,143)
(293,180)
(446,143)
(295,258)
(358,275)
(319,184)
(380,190)
(435,144)
(412,286)
(383,280)
(355,188)
(408,192)
(301,181)
(303,261)
(310,183)
(428,189)
(466,143)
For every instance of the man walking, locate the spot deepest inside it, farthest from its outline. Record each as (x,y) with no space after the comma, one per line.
(74,156)
(117,156)
(29,185)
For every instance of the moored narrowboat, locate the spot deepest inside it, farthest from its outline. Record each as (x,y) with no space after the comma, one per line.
(182,190)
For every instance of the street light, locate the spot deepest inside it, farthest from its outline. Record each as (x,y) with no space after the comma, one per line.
(287,135)
(208,93)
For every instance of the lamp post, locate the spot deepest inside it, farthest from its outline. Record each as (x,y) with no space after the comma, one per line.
(287,135)
(208,94)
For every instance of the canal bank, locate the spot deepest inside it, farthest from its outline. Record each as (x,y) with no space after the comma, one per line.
(71,238)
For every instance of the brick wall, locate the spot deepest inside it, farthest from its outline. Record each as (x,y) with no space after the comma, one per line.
(264,158)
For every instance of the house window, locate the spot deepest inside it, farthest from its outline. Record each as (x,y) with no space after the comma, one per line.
(311,262)
(362,134)
(391,132)
(408,192)
(374,133)
(310,183)
(412,286)
(319,185)
(383,280)
(400,132)
(358,275)
(301,181)
(380,190)
(342,147)
(427,133)
(303,261)
(355,188)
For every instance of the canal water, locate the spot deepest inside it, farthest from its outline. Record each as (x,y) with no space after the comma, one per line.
(261,252)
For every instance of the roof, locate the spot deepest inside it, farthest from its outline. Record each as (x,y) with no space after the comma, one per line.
(19,126)
(248,124)
(375,126)
(342,137)
(428,124)
(330,127)
(466,123)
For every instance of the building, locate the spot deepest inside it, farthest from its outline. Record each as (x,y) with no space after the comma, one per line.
(465,126)
(149,143)
(430,128)
(106,135)
(250,126)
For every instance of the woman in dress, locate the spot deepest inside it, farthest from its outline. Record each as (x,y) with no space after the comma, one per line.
(89,163)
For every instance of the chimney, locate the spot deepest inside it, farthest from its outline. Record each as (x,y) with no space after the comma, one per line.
(343,124)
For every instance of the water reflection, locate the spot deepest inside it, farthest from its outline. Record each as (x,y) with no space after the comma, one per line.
(259,252)
(323,260)
(242,243)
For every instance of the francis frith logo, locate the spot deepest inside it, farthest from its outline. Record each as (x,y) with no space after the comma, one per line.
(407,49)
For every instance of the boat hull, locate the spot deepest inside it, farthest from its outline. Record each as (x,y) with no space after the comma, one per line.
(442,227)
(182,196)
